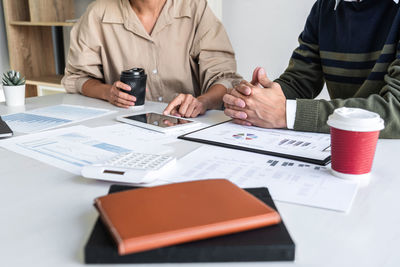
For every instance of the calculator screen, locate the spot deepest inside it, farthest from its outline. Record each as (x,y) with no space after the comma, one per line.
(158,120)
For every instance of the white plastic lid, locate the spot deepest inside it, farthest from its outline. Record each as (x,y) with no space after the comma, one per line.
(356,120)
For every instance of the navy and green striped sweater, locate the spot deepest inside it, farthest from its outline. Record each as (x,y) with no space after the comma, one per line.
(355,49)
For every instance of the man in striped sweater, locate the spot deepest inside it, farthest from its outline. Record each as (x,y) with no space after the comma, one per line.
(352,46)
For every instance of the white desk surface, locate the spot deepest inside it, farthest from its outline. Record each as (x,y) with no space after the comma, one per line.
(47,213)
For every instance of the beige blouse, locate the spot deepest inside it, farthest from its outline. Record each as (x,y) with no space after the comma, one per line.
(187,52)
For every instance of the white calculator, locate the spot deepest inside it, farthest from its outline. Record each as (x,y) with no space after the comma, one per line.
(131,167)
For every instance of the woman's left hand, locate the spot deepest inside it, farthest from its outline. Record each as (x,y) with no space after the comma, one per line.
(186,105)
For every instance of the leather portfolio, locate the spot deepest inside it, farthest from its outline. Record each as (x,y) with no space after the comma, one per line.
(160,216)
(272,243)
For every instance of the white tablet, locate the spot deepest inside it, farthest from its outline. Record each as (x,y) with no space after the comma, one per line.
(158,122)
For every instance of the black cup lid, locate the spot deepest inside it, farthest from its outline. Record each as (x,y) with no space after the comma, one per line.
(134,71)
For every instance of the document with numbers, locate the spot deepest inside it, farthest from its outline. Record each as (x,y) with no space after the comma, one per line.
(51,117)
(287,180)
(309,147)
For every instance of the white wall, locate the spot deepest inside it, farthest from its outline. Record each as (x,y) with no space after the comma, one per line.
(264,32)
(216,6)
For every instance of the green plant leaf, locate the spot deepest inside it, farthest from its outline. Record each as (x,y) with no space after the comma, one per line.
(22,81)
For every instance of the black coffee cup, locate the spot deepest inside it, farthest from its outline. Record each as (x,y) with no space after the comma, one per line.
(136,78)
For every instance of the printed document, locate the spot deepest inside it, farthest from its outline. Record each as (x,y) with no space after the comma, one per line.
(74,147)
(287,180)
(286,143)
(51,117)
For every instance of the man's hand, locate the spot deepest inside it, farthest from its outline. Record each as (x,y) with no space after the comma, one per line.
(260,103)
(186,105)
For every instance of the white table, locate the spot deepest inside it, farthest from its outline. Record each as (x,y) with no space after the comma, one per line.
(47,213)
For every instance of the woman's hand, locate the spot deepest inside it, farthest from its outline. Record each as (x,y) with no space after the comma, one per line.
(186,105)
(119,98)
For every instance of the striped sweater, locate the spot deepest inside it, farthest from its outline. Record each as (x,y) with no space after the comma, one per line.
(355,50)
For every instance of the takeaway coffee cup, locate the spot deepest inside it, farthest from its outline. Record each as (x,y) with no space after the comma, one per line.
(354,134)
(136,78)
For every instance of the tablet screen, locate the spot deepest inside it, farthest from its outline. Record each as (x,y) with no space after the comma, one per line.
(159,120)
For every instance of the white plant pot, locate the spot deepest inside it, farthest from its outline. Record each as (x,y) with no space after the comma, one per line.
(14,95)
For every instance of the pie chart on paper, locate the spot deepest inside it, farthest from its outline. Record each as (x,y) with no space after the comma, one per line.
(244,136)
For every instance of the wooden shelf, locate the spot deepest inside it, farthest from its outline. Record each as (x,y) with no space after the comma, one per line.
(30,23)
(36,48)
(51,80)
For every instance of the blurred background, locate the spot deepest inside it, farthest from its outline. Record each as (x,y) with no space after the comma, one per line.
(262,32)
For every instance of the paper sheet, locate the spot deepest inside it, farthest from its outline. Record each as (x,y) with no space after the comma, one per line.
(122,134)
(74,147)
(299,144)
(287,180)
(51,117)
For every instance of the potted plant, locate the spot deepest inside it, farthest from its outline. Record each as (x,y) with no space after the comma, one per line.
(14,88)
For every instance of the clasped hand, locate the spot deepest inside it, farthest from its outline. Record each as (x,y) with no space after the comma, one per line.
(259,103)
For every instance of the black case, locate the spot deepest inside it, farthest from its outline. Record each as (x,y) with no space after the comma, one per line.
(271,243)
(5,131)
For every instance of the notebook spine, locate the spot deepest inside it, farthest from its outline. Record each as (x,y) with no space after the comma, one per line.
(114,233)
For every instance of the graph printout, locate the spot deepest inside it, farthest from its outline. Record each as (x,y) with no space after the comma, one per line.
(50,117)
(68,148)
(311,147)
(74,147)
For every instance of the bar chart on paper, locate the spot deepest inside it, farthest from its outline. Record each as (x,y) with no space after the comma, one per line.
(51,117)
(309,147)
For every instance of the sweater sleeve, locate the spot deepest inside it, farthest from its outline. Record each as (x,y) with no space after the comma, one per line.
(311,115)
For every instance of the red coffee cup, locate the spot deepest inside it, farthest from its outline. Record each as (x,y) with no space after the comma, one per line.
(354,134)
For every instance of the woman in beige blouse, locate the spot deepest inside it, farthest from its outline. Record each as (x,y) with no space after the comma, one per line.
(180,43)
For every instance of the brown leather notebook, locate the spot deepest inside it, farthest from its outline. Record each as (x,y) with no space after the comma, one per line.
(149,218)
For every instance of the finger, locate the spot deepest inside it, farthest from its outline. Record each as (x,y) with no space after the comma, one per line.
(197,111)
(124,102)
(244,89)
(125,96)
(240,95)
(175,113)
(254,80)
(263,79)
(173,104)
(185,104)
(233,100)
(122,86)
(242,122)
(236,108)
(191,107)
(235,114)
(120,105)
